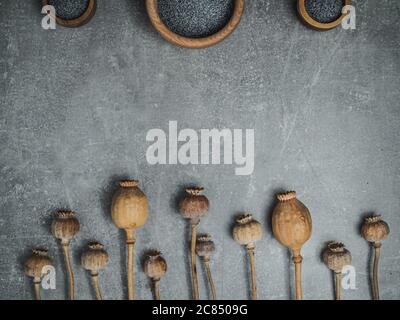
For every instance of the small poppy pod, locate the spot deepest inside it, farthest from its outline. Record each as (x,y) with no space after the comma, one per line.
(375,229)
(291,221)
(204,246)
(194,205)
(130,207)
(95,257)
(65,226)
(247,230)
(336,256)
(155,265)
(36,262)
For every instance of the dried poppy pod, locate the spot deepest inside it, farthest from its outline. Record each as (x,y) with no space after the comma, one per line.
(94,259)
(246,232)
(336,256)
(129,211)
(34,265)
(155,268)
(194,206)
(291,226)
(205,247)
(375,230)
(64,227)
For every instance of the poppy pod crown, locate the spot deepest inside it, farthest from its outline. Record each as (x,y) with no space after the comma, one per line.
(194,205)
(129,183)
(129,209)
(286,196)
(40,252)
(291,221)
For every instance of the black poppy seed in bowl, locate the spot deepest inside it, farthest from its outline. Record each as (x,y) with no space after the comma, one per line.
(324,11)
(195,18)
(69,9)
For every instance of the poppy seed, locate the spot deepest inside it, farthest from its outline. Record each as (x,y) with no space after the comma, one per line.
(324,11)
(69,9)
(195,18)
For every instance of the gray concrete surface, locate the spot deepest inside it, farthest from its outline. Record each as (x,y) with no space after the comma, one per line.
(76,105)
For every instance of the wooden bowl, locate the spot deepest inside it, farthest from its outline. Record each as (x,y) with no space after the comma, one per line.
(79,21)
(301,7)
(194,43)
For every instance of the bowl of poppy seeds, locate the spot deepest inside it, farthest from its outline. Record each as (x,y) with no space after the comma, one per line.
(195,23)
(322,14)
(72,13)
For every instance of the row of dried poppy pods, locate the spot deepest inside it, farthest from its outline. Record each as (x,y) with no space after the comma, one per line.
(291,226)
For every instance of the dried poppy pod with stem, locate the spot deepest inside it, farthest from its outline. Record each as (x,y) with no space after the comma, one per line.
(246,232)
(194,206)
(335,257)
(93,259)
(129,211)
(64,227)
(374,230)
(291,226)
(34,265)
(205,247)
(155,268)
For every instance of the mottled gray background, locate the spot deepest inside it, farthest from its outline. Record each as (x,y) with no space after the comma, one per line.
(76,105)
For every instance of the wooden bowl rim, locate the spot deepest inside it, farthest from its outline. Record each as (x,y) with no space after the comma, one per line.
(77,22)
(194,43)
(316,24)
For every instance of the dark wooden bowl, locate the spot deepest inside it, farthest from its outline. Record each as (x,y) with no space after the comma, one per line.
(194,43)
(77,22)
(301,8)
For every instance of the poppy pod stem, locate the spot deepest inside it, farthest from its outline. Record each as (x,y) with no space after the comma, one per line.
(195,285)
(64,227)
(130,243)
(297,260)
(65,247)
(94,259)
(250,252)
(204,249)
(36,283)
(206,262)
(246,232)
(95,282)
(193,207)
(375,283)
(156,288)
(338,278)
